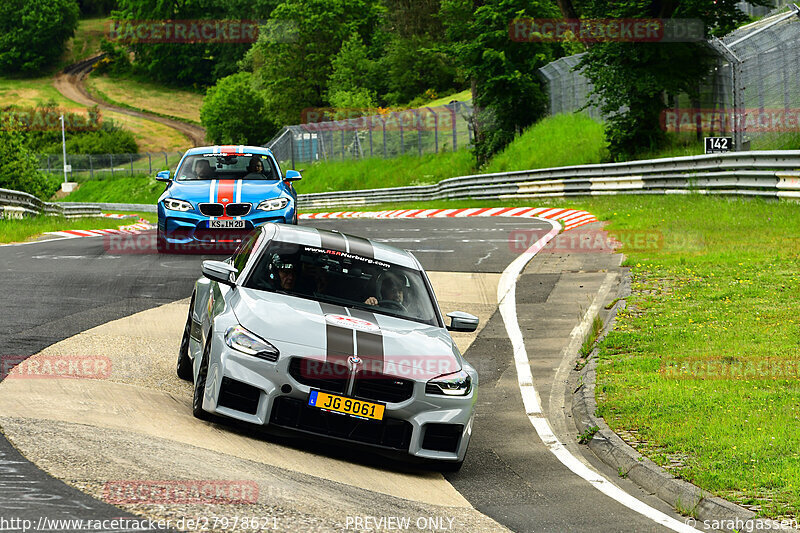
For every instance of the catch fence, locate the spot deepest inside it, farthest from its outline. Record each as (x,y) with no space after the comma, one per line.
(84,167)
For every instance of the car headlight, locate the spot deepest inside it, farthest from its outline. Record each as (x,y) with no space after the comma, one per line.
(177,205)
(455,384)
(274,204)
(242,340)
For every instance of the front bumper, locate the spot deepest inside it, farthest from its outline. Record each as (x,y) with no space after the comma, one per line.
(425,426)
(192,227)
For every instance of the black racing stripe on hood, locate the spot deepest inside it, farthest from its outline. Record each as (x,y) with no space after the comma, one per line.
(369,345)
(338,340)
(360,246)
(332,241)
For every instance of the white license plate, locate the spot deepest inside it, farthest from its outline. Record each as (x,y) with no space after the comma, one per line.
(226,224)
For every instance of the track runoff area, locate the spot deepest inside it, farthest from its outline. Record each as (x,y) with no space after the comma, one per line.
(73,439)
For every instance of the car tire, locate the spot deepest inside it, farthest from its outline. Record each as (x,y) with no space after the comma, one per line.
(161,243)
(200,386)
(184,366)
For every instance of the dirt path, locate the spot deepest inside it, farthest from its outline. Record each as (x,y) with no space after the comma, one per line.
(69,83)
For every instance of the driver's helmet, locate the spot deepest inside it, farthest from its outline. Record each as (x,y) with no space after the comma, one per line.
(282,262)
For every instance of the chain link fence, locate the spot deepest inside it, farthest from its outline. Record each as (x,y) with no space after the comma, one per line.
(391,134)
(752,93)
(84,167)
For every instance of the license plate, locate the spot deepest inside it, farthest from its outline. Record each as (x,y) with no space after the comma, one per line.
(226,224)
(348,406)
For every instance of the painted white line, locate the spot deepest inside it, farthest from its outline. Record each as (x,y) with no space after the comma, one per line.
(506,298)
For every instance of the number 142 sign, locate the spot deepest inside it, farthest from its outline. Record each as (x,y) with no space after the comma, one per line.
(716,145)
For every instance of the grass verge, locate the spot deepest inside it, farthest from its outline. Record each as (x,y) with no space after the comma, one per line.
(719,294)
(147,97)
(26,229)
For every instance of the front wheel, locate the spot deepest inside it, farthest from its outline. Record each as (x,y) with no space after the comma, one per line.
(184,366)
(200,386)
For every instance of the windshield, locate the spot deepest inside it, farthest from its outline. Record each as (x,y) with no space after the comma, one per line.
(345,279)
(227,167)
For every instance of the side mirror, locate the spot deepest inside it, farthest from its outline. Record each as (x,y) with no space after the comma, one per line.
(461,321)
(219,271)
(163,176)
(293,175)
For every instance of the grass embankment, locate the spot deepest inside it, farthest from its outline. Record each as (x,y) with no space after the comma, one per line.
(86,41)
(25,229)
(718,297)
(148,97)
(133,190)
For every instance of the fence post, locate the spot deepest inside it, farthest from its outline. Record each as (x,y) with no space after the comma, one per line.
(131,158)
(419,132)
(48,164)
(369,125)
(402,140)
(91,167)
(383,126)
(291,146)
(111,158)
(166,159)
(342,144)
(435,130)
(149,164)
(455,127)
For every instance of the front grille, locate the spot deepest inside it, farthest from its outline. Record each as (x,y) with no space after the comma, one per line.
(442,437)
(237,210)
(239,396)
(212,210)
(332,377)
(296,414)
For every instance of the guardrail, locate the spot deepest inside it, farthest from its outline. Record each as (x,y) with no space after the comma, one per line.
(766,173)
(16,204)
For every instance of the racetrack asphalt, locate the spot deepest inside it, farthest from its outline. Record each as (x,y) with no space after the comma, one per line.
(60,288)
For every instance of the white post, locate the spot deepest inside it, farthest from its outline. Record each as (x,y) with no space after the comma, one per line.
(63,147)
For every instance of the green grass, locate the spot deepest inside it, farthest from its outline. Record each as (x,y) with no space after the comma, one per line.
(463,96)
(556,141)
(25,229)
(135,190)
(86,41)
(725,285)
(377,172)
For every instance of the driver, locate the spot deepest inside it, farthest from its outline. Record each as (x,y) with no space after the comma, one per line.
(390,287)
(285,268)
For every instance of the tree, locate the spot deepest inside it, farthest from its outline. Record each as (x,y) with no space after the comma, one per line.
(234,112)
(19,165)
(506,92)
(33,33)
(292,59)
(633,79)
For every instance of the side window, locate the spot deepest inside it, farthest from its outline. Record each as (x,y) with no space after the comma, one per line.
(242,254)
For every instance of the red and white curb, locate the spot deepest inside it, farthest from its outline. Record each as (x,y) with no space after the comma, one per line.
(138,227)
(571,218)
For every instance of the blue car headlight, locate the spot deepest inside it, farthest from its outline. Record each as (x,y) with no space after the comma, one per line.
(274,204)
(244,341)
(177,205)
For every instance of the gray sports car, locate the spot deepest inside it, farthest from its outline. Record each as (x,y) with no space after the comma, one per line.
(330,334)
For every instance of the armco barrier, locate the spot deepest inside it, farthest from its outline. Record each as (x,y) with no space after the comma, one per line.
(773,174)
(16,204)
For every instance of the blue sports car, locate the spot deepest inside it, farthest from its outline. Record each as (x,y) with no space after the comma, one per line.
(219,194)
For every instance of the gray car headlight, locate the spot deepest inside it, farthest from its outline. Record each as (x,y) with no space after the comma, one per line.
(274,204)
(455,384)
(244,341)
(177,205)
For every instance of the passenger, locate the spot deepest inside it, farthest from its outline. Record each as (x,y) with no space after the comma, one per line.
(285,269)
(203,169)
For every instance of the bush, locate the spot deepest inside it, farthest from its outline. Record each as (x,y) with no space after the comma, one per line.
(33,33)
(19,166)
(234,112)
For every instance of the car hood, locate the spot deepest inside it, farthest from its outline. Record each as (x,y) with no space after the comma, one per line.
(298,326)
(197,191)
